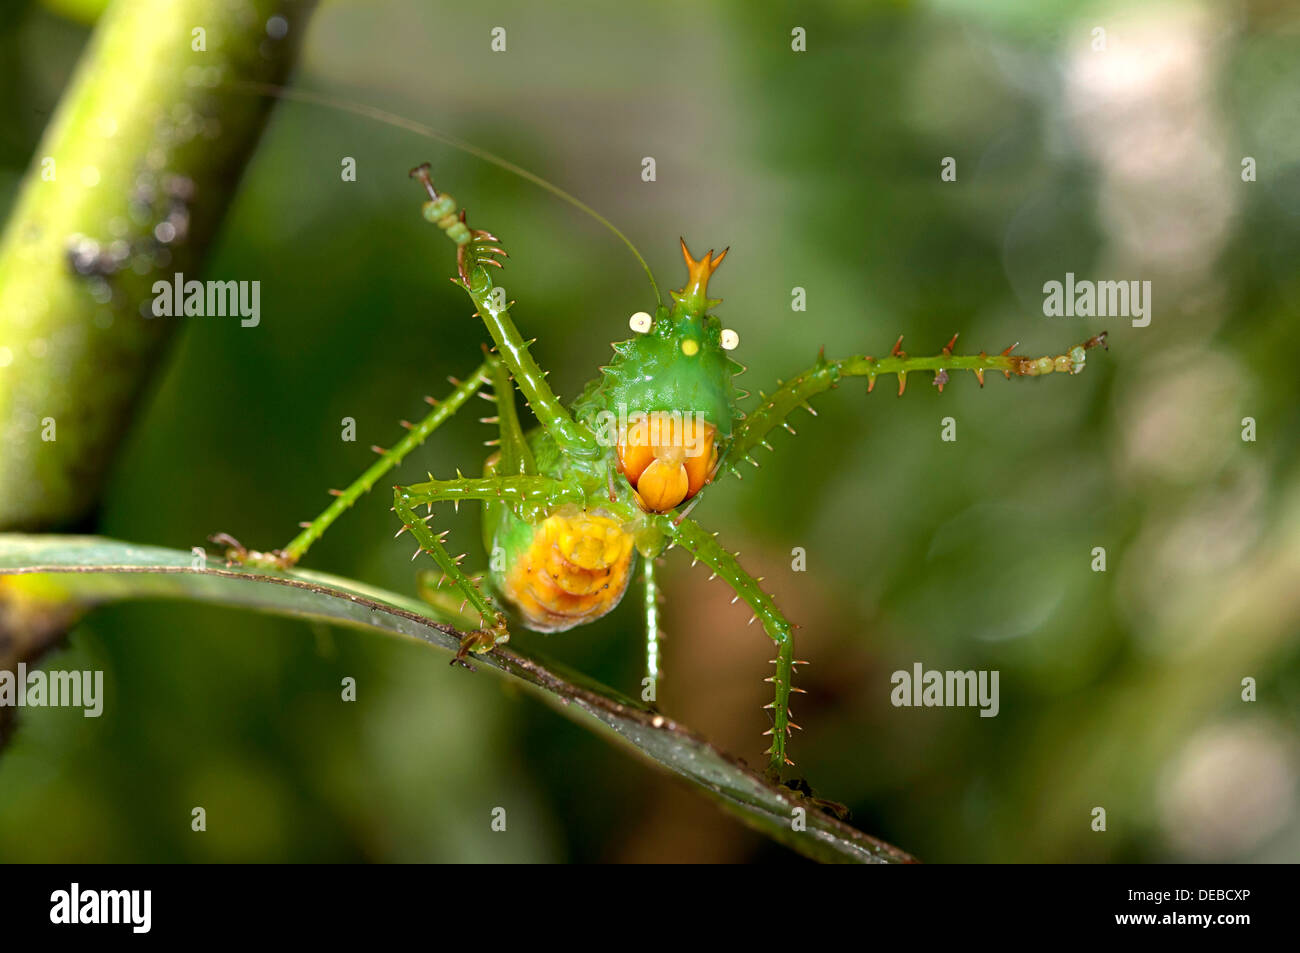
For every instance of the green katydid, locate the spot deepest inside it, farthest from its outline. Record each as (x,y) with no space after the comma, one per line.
(570,507)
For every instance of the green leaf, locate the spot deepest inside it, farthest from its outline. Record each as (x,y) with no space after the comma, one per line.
(42,576)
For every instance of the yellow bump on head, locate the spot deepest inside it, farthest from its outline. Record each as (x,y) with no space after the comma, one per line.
(690,347)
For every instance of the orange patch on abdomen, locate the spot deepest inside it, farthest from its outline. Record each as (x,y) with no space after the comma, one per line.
(575,570)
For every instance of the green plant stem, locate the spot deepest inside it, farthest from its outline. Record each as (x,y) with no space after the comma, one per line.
(128,186)
(63,575)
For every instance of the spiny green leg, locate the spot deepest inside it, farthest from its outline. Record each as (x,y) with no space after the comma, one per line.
(539,490)
(542,492)
(516,458)
(447,605)
(824,375)
(476,252)
(343,499)
(705,548)
(493,631)
(652,634)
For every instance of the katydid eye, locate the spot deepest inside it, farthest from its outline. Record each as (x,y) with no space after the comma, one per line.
(639,322)
(730,340)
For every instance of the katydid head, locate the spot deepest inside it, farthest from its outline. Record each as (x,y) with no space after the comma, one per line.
(669,389)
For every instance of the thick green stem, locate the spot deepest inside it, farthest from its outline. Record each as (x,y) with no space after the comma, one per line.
(127,187)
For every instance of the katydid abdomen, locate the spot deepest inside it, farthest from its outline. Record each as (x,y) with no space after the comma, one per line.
(569,569)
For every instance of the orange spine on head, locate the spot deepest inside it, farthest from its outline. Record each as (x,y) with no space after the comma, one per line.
(693,298)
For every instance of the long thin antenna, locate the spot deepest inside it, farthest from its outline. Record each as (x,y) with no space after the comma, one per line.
(420,129)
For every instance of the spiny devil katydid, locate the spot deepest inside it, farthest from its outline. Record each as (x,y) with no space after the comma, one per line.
(572,506)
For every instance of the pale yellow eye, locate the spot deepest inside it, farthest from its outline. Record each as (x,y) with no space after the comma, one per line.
(690,347)
(639,322)
(730,340)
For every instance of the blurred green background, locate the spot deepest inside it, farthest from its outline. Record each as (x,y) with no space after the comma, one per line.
(821,169)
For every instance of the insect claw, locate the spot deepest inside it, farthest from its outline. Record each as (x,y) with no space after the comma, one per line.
(788,761)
